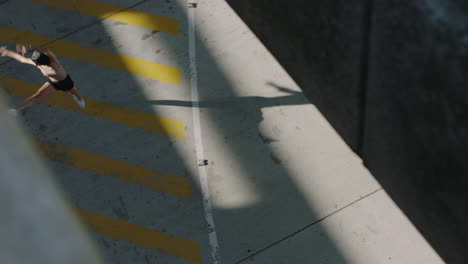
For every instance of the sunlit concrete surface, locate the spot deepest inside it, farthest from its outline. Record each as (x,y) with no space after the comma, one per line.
(372,230)
(300,173)
(284,186)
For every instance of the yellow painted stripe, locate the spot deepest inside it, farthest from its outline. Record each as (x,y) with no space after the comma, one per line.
(119,169)
(142,236)
(117,13)
(99,57)
(130,117)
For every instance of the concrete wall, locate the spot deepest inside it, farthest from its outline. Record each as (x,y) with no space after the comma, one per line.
(392,78)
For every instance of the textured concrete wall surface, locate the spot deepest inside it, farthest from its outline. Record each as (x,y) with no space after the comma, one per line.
(391,78)
(417,107)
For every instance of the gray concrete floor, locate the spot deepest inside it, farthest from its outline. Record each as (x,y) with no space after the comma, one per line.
(285,188)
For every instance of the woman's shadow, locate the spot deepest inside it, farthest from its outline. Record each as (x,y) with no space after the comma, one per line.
(292,98)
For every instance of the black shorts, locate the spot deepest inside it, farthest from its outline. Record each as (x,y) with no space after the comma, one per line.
(63,85)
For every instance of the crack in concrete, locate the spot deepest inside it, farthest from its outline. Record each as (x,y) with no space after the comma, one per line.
(308,226)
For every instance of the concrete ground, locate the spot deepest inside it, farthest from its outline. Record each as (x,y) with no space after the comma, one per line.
(284,187)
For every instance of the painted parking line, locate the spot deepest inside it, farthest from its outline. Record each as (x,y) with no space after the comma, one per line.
(95,56)
(121,170)
(142,236)
(203,177)
(123,115)
(117,13)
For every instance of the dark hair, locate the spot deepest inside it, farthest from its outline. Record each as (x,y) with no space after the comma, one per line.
(40,58)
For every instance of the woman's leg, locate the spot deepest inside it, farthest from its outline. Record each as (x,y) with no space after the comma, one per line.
(74,92)
(44,91)
(76,95)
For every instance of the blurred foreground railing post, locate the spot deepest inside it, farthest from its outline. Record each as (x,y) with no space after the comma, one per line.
(36,223)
